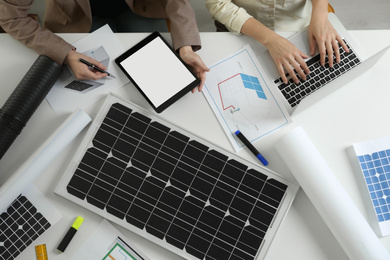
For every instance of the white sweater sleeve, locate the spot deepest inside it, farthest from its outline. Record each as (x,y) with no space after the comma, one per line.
(227,13)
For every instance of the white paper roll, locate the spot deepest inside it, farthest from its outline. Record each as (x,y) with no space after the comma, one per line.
(37,162)
(329,197)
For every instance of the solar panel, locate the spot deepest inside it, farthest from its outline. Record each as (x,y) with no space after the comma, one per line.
(376,170)
(175,188)
(20,225)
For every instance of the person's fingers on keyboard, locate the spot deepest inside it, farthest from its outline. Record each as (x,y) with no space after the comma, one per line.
(336,50)
(322,51)
(298,71)
(286,55)
(302,63)
(329,50)
(341,41)
(313,45)
(281,72)
(301,68)
(291,72)
(296,62)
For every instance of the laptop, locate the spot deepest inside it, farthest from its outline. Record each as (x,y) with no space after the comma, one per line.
(322,80)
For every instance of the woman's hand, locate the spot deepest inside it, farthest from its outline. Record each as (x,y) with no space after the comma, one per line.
(323,35)
(82,71)
(196,63)
(285,54)
(287,58)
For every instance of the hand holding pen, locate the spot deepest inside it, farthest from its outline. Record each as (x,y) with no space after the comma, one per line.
(81,70)
(94,67)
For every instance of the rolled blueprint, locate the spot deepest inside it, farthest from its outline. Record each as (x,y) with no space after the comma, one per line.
(329,197)
(45,154)
(25,99)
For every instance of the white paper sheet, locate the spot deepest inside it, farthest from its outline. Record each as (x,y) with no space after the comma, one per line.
(241,99)
(103,46)
(106,242)
(329,197)
(374,160)
(37,162)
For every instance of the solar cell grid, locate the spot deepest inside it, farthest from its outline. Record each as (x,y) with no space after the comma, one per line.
(20,225)
(376,170)
(173,187)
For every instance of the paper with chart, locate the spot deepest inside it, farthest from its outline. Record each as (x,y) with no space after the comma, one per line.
(374,160)
(107,243)
(240,98)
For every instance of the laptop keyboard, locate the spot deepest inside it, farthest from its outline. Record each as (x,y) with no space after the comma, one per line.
(318,77)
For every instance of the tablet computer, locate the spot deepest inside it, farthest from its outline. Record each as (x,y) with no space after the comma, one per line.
(157,71)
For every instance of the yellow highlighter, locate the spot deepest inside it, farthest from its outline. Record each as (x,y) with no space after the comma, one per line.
(41,252)
(69,235)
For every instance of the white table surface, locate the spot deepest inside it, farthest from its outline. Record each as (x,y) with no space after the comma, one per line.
(357,112)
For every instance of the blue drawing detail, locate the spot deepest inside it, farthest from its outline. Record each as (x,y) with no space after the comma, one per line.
(376,171)
(253,83)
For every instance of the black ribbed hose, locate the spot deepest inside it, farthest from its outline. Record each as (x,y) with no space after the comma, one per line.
(25,99)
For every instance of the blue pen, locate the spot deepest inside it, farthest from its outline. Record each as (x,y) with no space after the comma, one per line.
(251,147)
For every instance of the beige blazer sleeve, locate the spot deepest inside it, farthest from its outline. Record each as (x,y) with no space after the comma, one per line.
(14,20)
(184,29)
(75,16)
(228,13)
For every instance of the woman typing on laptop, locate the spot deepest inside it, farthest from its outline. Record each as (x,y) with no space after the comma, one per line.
(258,19)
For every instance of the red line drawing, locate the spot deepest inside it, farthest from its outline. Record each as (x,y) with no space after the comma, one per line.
(219,90)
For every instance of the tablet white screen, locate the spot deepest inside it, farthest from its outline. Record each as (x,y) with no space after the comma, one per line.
(157,71)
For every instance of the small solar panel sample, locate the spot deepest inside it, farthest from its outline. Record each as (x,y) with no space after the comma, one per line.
(376,170)
(20,225)
(78,85)
(174,188)
(373,157)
